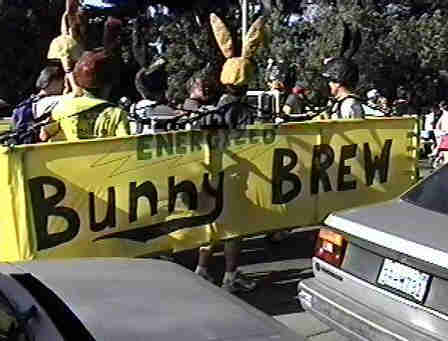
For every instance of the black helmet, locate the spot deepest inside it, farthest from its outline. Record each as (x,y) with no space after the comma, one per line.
(343,71)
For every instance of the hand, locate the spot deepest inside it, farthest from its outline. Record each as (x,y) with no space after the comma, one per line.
(43,135)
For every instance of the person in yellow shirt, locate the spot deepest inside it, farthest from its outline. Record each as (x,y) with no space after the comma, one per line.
(90,115)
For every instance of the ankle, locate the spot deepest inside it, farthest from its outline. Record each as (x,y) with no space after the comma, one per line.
(201,270)
(229,276)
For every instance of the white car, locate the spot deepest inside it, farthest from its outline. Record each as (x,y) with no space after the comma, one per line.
(381,271)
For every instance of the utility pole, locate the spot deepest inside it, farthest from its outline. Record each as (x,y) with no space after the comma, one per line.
(244,8)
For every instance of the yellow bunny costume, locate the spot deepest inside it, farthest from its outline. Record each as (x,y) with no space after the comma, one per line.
(237,71)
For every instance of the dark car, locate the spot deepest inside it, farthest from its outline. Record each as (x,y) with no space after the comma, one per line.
(123,299)
(381,271)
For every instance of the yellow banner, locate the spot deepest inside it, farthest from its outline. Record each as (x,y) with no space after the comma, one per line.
(141,195)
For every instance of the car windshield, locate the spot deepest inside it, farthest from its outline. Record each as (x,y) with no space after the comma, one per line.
(432,192)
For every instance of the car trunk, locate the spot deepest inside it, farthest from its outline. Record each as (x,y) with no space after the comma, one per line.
(406,258)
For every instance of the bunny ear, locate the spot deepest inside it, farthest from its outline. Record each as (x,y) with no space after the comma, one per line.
(222,35)
(346,39)
(111,35)
(356,43)
(64,24)
(139,44)
(254,38)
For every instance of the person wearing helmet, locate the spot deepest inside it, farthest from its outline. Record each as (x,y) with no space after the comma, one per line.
(89,115)
(342,77)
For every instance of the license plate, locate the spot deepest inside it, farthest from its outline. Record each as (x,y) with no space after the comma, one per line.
(404,279)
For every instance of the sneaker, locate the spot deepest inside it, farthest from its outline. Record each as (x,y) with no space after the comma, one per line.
(205,275)
(239,284)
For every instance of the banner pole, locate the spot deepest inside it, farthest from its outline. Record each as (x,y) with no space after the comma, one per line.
(244,8)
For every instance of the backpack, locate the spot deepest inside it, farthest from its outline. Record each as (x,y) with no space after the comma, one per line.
(23,119)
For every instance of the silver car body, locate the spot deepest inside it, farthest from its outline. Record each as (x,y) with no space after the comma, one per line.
(352,299)
(131,299)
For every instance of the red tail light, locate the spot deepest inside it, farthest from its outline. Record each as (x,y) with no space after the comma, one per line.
(330,247)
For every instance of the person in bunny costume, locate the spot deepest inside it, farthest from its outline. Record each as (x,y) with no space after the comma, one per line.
(237,72)
(235,76)
(342,75)
(68,47)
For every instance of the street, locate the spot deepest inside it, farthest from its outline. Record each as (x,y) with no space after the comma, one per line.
(277,267)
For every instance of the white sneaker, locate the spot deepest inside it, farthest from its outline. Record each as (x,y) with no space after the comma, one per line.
(205,275)
(239,284)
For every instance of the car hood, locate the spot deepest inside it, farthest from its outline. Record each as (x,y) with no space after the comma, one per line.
(119,299)
(400,226)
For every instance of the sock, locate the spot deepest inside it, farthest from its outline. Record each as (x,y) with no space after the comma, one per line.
(229,276)
(200,270)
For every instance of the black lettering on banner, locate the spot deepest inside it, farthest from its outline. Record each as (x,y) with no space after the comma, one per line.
(144,147)
(281,173)
(185,187)
(196,138)
(147,233)
(379,164)
(164,142)
(147,190)
(320,166)
(45,207)
(110,219)
(347,152)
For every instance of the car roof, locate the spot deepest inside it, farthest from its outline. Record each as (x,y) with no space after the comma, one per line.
(136,298)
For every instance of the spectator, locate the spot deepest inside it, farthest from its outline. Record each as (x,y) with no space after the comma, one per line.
(430,120)
(383,104)
(151,83)
(441,132)
(202,87)
(295,103)
(49,84)
(89,115)
(441,127)
(373,104)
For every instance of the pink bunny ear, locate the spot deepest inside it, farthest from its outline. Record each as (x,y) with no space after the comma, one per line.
(222,35)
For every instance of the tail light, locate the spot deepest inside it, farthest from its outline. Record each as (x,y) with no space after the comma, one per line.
(330,247)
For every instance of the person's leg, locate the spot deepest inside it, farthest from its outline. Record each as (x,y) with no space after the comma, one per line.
(232,250)
(205,253)
(233,279)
